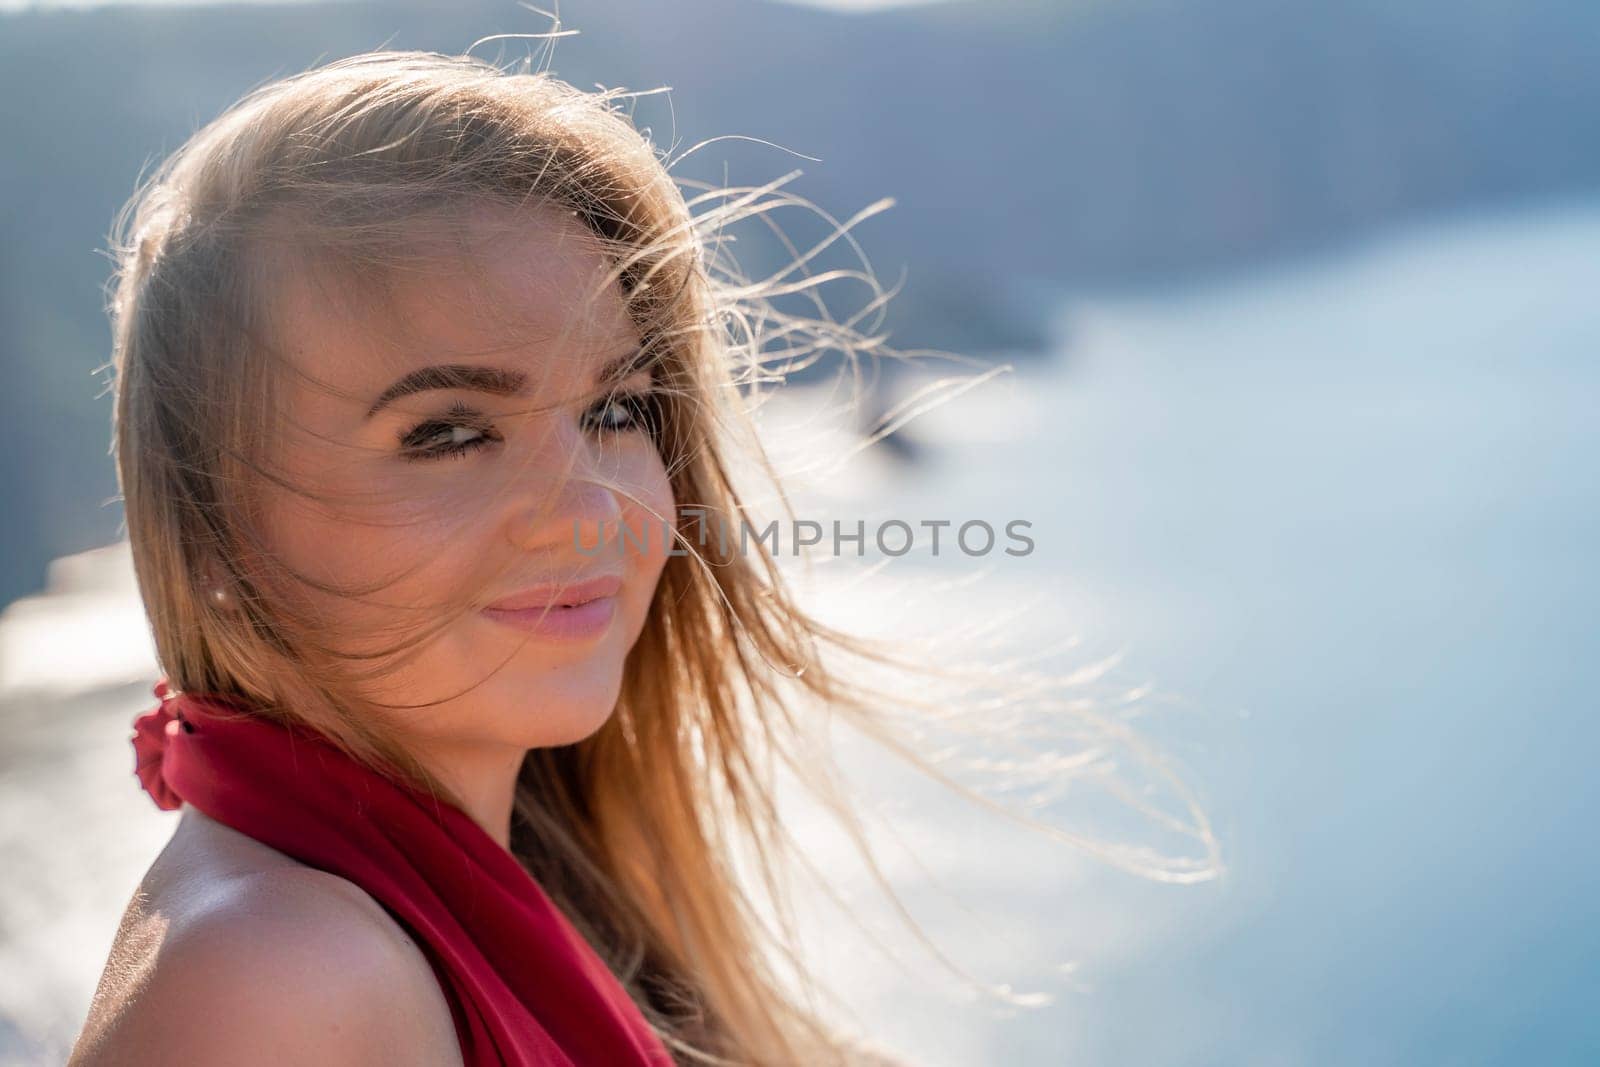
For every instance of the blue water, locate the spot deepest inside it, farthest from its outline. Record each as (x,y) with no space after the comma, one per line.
(1382,498)
(1350,512)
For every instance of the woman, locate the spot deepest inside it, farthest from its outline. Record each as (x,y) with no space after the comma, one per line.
(424,375)
(416,361)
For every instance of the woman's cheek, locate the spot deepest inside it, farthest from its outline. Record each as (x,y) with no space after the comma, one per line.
(646,514)
(654,508)
(391,542)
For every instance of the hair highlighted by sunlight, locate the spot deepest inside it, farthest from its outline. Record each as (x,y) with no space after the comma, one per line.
(360,164)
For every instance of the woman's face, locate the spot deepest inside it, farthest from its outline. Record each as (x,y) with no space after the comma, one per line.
(453,457)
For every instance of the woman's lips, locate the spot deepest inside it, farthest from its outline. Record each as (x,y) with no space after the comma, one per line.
(573,611)
(582,622)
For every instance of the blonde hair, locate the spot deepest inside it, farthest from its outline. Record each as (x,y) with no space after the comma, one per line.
(632,829)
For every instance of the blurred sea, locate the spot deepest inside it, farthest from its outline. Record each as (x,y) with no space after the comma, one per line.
(1339,515)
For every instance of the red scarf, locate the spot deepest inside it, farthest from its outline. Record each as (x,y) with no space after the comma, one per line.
(523,985)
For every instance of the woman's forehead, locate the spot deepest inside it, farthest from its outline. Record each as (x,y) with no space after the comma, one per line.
(535,292)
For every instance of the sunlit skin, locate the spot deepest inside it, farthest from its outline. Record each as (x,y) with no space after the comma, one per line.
(458,492)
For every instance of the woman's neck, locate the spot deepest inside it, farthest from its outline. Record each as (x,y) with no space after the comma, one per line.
(484,778)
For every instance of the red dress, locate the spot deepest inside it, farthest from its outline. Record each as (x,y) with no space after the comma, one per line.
(523,985)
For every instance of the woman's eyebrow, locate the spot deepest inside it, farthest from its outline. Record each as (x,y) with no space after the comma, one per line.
(626,366)
(498,381)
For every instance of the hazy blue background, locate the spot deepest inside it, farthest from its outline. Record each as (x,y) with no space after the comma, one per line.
(1302,297)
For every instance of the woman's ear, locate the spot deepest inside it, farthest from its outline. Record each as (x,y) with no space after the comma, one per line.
(218,591)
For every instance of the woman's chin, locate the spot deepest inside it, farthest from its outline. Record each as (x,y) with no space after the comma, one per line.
(557,707)
(528,701)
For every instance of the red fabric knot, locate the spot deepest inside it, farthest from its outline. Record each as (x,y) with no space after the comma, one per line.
(152,732)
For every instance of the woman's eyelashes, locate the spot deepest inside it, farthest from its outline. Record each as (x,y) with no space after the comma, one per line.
(637,411)
(456,433)
(462,430)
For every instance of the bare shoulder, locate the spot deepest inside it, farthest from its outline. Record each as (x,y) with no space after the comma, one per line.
(233,953)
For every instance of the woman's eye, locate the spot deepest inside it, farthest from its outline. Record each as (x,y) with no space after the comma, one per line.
(626,412)
(463,432)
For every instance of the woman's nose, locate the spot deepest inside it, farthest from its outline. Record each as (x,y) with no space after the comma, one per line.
(577,514)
